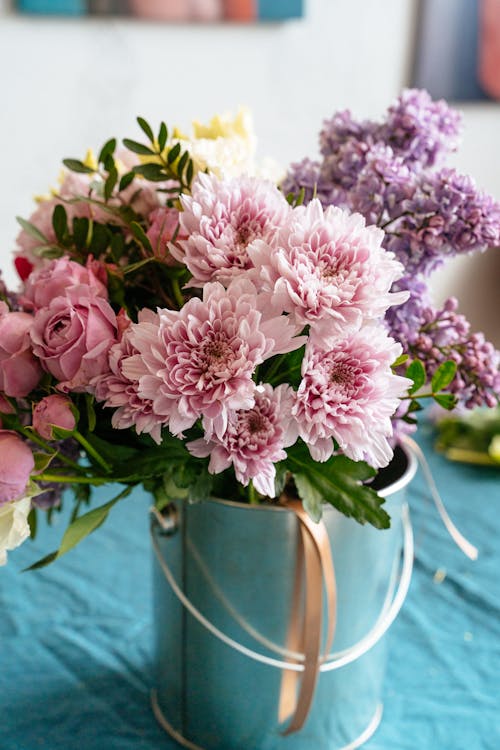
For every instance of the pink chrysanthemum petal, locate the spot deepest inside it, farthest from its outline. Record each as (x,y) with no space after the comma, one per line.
(199,361)
(222,218)
(349,392)
(328,270)
(254,439)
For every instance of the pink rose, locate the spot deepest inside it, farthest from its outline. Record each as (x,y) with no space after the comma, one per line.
(163,224)
(19,370)
(16,465)
(53,411)
(54,280)
(72,337)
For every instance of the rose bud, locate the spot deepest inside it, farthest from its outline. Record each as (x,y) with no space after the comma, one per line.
(53,411)
(16,465)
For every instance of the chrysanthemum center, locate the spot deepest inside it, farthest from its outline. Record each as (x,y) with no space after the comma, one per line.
(257,422)
(341,374)
(215,353)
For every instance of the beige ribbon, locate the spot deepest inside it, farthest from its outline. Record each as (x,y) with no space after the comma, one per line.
(314,563)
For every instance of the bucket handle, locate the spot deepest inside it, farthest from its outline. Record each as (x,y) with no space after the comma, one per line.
(332,661)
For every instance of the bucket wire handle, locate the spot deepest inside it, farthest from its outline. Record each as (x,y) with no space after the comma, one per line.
(337,660)
(459,539)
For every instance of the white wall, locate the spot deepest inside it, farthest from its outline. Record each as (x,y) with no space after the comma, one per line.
(68,84)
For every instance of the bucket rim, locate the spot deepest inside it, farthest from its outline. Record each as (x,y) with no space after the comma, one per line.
(399,484)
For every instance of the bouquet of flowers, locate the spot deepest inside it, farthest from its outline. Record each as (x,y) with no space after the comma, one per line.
(189,324)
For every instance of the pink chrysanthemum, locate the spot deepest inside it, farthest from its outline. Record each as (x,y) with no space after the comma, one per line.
(222,219)
(254,439)
(120,393)
(199,361)
(348,392)
(329,270)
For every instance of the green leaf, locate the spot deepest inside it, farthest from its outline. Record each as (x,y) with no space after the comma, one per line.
(117,246)
(443,375)
(162,136)
(32,230)
(414,406)
(110,183)
(337,482)
(32,522)
(81,528)
(43,461)
(189,172)
(146,128)
(75,165)
(107,150)
(91,417)
(141,236)
(138,148)
(400,361)
(173,153)
(311,497)
(182,163)
(60,222)
(416,372)
(80,232)
(101,237)
(125,181)
(446,400)
(151,172)
(300,197)
(280,478)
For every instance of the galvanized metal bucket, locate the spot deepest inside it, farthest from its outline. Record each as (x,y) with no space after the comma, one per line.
(223,588)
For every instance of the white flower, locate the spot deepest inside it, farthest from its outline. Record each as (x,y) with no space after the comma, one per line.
(14,528)
(227,147)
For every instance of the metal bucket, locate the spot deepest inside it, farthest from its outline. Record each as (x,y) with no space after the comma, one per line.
(223,587)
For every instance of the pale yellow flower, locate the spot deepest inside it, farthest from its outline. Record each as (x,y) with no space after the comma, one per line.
(14,528)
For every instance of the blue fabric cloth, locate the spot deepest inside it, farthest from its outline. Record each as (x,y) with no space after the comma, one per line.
(76,638)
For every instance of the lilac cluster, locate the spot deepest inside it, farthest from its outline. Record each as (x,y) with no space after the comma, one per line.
(391,173)
(383,170)
(436,336)
(445,216)
(419,129)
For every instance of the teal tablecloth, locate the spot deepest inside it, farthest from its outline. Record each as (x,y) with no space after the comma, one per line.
(76,638)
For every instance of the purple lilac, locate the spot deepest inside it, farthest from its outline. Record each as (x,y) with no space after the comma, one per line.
(435,336)
(382,187)
(306,175)
(446,216)
(421,130)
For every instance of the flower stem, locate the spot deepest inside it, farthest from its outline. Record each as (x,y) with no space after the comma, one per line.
(92,451)
(177,292)
(69,479)
(49,448)
(252,494)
